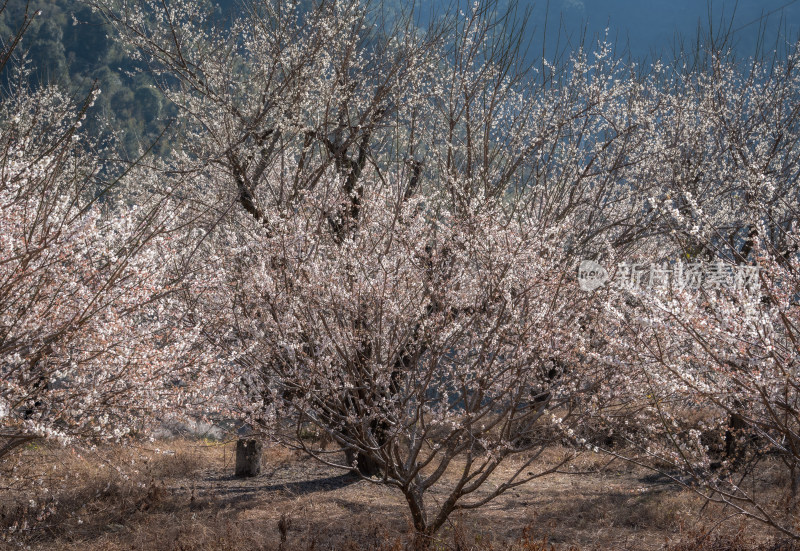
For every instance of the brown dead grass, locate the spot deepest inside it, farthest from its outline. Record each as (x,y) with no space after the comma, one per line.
(180,495)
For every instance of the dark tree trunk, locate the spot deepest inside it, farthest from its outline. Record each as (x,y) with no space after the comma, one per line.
(248,457)
(736,427)
(423,530)
(365,466)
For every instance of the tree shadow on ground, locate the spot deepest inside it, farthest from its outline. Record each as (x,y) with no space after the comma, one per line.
(236,491)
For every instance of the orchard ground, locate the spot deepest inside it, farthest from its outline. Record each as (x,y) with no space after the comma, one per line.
(181,494)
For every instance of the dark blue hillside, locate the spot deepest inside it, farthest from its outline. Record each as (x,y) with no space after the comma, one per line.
(652,25)
(645,27)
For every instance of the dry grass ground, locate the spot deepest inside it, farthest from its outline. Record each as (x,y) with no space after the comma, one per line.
(181,495)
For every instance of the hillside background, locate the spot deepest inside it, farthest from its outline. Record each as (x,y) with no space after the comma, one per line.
(70,45)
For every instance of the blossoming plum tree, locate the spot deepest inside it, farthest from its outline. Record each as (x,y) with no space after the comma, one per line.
(392,220)
(88,342)
(715,360)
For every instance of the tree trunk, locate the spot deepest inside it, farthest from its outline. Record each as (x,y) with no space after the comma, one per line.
(365,465)
(248,457)
(736,427)
(423,531)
